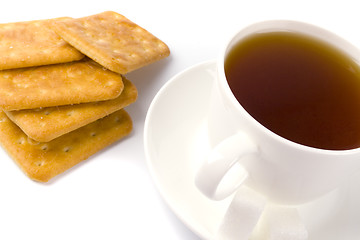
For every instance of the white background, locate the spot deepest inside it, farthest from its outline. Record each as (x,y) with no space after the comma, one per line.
(112,195)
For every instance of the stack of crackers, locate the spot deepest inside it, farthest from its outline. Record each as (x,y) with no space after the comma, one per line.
(63,89)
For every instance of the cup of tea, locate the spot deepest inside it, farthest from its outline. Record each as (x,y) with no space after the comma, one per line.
(284,116)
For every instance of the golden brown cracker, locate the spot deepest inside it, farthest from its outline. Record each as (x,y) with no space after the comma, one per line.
(33,43)
(45,124)
(58,84)
(113,41)
(43,161)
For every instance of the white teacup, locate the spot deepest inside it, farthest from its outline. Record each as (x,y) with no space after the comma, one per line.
(244,151)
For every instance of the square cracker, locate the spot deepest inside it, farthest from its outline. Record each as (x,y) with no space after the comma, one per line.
(33,43)
(57,84)
(43,161)
(45,124)
(113,41)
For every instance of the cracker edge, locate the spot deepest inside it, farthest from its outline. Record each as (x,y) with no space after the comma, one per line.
(44,176)
(94,53)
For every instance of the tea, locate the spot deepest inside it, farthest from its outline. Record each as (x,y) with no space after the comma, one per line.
(298,87)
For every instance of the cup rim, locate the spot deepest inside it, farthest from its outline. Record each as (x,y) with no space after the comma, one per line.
(229,94)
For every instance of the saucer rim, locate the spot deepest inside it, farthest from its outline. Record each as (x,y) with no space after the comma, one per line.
(210,64)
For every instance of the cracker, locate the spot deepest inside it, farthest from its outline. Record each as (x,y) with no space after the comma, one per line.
(33,43)
(45,124)
(58,84)
(43,161)
(113,41)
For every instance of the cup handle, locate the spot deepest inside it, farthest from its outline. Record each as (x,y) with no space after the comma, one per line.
(220,176)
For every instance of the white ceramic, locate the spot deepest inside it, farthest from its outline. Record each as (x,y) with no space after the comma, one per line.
(284,171)
(176,140)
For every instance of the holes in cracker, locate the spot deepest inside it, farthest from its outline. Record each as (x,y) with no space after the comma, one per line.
(70,113)
(67,149)
(44,147)
(132,55)
(93,134)
(21,141)
(116,119)
(47,112)
(39,163)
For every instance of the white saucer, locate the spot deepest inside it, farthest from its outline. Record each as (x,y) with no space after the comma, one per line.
(175,140)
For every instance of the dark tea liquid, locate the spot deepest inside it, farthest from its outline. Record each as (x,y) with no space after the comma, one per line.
(298,87)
